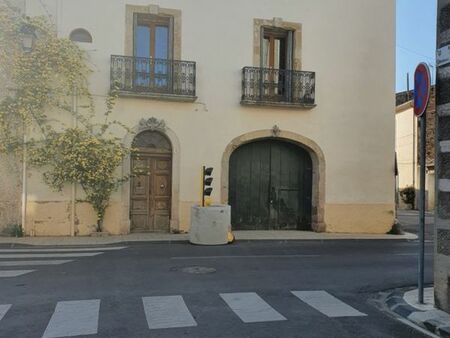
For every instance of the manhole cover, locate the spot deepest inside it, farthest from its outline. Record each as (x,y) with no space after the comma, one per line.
(198,270)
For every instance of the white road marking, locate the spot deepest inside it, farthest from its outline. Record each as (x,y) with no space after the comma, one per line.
(247,256)
(13,273)
(3,309)
(51,255)
(74,318)
(250,307)
(411,254)
(165,312)
(33,263)
(327,304)
(63,249)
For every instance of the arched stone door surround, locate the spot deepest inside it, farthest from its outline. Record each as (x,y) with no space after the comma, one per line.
(317,157)
(154,124)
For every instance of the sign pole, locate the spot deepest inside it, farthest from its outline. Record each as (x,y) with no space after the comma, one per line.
(423,129)
(422,85)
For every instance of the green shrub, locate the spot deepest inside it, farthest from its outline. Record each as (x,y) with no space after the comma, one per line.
(408,195)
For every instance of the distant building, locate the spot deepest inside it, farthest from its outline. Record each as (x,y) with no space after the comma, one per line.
(407,136)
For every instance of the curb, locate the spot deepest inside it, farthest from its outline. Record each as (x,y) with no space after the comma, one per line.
(247,236)
(435,321)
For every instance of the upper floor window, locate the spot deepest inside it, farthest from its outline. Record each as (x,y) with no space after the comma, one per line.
(80,35)
(277,48)
(152,36)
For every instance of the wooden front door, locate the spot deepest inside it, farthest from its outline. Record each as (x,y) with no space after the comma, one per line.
(151,187)
(270,186)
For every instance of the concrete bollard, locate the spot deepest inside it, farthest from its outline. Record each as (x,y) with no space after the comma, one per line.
(210,225)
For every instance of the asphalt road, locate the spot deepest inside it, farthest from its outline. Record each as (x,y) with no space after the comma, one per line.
(245,292)
(409,220)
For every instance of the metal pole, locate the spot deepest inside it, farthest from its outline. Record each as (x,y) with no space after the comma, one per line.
(74,188)
(24,179)
(423,129)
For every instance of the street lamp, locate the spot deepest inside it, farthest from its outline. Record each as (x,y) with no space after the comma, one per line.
(28,36)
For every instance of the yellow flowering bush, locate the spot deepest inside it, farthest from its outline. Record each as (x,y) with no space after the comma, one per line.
(36,80)
(76,155)
(42,80)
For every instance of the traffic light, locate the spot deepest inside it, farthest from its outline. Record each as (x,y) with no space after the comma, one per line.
(206,183)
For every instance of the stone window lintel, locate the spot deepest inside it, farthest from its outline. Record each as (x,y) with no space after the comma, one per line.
(277,23)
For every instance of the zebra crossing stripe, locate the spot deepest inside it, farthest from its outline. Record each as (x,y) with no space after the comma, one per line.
(13,273)
(327,304)
(33,263)
(74,318)
(167,312)
(109,248)
(250,307)
(51,255)
(3,309)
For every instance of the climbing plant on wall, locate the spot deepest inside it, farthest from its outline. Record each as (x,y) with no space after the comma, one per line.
(38,86)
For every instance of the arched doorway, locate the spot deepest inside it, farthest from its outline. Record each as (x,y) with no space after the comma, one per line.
(151,182)
(270,186)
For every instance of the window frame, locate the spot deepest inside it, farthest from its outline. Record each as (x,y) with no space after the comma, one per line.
(152,21)
(81,32)
(276,33)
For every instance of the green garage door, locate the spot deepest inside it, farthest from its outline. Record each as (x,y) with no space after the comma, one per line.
(270,186)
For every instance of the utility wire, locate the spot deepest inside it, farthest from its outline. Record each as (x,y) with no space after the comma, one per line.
(44,7)
(415,52)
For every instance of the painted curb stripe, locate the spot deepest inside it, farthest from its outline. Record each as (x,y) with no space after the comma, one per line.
(250,307)
(32,263)
(74,318)
(3,309)
(444,185)
(327,304)
(14,273)
(445,146)
(64,249)
(51,255)
(167,312)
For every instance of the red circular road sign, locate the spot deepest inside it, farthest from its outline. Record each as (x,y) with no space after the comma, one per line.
(422,84)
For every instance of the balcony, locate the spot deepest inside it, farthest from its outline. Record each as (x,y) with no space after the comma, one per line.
(153,78)
(278,87)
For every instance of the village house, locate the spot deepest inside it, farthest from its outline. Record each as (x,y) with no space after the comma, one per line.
(291,102)
(407,138)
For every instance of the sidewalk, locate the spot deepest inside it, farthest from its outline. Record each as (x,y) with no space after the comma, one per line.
(425,316)
(239,235)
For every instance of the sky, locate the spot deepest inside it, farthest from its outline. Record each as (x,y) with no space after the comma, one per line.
(416,38)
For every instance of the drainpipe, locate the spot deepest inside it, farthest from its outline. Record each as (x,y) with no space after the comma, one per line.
(74,187)
(24,179)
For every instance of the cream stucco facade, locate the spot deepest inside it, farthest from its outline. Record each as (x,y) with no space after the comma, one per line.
(349,133)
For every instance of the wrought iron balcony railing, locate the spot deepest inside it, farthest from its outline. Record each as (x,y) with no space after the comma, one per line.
(137,76)
(267,86)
